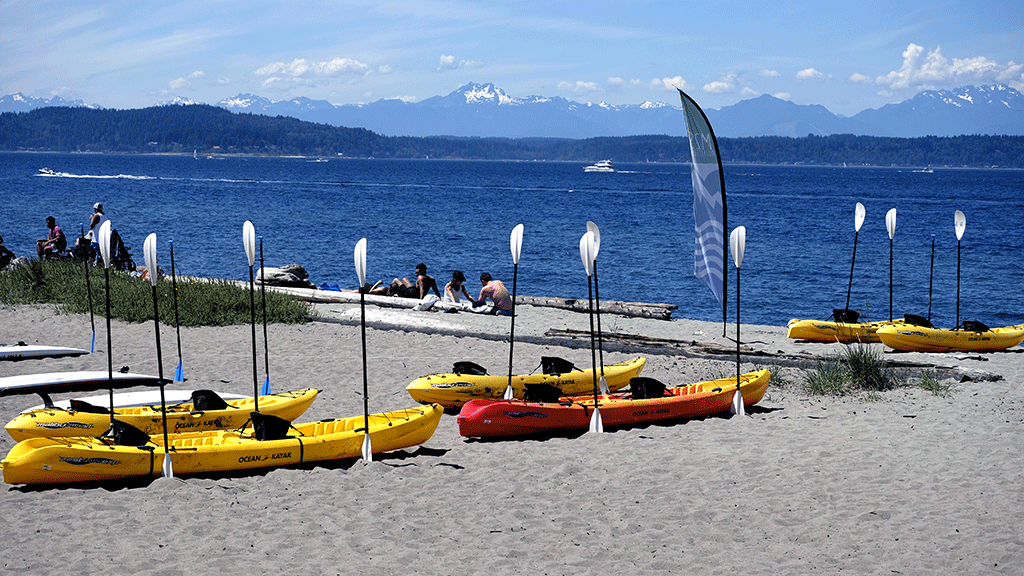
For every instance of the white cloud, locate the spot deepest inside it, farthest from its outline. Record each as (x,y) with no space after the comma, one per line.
(748,91)
(669,83)
(860,79)
(449,62)
(923,70)
(782,95)
(616,81)
(406,99)
(185,81)
(718,87)
(579,87)
(809,74)
(769,73)
(301,68)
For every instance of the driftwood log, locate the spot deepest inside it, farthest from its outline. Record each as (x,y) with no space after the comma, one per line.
(636,309)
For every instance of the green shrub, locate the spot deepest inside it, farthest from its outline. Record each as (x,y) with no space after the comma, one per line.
(200,303)
(860,368)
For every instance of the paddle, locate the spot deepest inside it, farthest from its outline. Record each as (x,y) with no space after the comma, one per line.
(263,297)
(959,224)
(88,296)
(931,276)
(592,228)
(516,244)
(149,252)
(106,251)
(179,373)
(249,242)
(858,221)
(737,242)
(360,260)
(586,250)
(890,225)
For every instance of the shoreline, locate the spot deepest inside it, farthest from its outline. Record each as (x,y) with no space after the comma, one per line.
(912,483)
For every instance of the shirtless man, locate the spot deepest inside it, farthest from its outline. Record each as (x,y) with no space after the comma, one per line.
(424,284)
(496,291)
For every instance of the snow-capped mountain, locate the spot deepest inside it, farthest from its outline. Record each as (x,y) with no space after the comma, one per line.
(483,110)
(21,103)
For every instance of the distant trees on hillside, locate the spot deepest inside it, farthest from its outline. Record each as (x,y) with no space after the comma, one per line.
(208,129)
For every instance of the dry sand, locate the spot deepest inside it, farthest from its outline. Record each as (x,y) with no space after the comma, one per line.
(911,483)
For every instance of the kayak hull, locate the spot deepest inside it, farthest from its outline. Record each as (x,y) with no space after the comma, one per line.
(180,417)
(84,459)
(454,390)
(828,331)
(496,418)
(921,339)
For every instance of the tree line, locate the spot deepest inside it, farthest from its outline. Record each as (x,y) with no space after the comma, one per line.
(210,130)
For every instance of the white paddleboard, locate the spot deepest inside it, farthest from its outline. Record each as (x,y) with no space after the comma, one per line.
(84,381)
(133,399)
(27,351)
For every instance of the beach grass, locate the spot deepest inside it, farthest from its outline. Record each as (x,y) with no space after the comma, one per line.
(931,382)
(858,368)
(200,303)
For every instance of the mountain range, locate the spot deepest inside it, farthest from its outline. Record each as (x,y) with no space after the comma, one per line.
(483,110)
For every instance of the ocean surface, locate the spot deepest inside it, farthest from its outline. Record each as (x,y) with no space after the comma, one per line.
(459,214)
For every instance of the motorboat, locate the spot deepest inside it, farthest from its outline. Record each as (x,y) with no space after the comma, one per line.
(602,166)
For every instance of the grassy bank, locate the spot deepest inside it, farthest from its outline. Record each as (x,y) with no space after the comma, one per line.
(203,303)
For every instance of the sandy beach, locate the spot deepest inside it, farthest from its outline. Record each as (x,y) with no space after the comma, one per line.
(911,483)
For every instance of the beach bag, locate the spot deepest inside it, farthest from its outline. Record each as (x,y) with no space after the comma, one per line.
(642,388)
(915,320)
(975,326)
(542,393)
(471,368)
(269,427)
(845,316)
(203,400)
(425,304)
(553,365)
(127,435)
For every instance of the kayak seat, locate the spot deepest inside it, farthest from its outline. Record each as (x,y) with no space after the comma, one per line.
(204,400)
(642,388)
(542,393)
(553,366)
(472,368)
(127,435)
(269,427)
(915,320)
(975,326)
(83,406)
(845,315)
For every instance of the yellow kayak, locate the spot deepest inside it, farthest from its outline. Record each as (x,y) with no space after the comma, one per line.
(924,339)
(829,331)
(211,413)
(452,390)
(85,459)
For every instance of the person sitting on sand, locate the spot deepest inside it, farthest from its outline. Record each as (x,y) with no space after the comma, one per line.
(54,243)
(405,289)
(6,256)
(456,286)
(496,291)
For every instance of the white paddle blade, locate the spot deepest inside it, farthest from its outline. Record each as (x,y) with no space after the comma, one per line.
(149,252)
(508,393)
(516,242)
(604,386)
(360,259)
(737,243)
(960,223)
(596,425)
(104,241)
(586,243)
(367,450)
(593,229)
(168,468)
(890,222)
(249,241)
(737,404)
(858,217)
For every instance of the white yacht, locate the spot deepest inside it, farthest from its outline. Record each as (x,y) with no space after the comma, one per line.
(602,166)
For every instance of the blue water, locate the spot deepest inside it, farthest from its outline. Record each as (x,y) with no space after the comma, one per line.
(458,214)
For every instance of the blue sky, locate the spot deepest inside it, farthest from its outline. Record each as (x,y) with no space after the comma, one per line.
(845,56)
